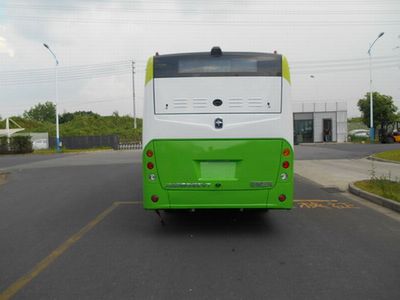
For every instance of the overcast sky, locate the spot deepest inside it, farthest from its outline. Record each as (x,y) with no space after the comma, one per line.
(95,42)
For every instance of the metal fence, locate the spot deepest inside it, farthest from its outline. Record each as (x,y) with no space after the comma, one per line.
(130,146)
(86,142)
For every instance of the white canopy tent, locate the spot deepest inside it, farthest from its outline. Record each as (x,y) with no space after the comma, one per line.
(10,131)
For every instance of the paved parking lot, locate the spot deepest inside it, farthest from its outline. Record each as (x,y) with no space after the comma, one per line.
(73,227)
(340,151)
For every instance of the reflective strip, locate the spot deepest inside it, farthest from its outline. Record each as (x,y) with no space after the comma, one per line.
(285,69)
(149,70)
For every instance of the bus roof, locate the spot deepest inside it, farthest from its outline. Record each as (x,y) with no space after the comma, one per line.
(229,53)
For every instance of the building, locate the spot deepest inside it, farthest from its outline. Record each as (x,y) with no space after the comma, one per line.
(320,122)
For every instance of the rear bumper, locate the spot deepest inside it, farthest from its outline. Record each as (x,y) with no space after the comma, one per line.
(260,199)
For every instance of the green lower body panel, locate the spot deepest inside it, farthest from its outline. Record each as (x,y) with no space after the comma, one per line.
(226,173)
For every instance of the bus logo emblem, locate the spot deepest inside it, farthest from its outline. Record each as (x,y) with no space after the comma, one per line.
(219,123)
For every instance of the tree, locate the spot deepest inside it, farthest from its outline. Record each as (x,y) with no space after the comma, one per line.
(68,117)
(384,109)
(45,112)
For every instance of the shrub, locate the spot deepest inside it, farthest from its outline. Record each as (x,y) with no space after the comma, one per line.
(3,145)
(358,139)
(16,145)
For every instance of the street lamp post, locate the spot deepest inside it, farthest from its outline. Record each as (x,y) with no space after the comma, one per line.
(315,87)
(56,80)
(371,103)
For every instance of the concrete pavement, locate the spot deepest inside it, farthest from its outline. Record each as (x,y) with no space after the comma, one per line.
(340,172)
(337,165)
(339,151)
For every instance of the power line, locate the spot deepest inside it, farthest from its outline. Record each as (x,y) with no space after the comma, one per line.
(322,70)
(202,10)
(345,64)
(244,2)
(80,102)
(65,73)
(364,59)
(127,64)
(69,68)
(119,68)
(269,23)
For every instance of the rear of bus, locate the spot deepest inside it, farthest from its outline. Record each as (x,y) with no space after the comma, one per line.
(218,131)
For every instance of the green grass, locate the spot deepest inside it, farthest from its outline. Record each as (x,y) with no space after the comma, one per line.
(381,187)
(53,151)
(358,139)
(389,155)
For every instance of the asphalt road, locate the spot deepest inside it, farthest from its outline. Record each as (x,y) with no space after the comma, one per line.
(12,160)
(332,249)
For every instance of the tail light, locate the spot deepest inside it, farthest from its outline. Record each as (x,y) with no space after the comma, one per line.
(285,164)
(154,198)
(286,152)
(282,197)
(149,153)
(150,165)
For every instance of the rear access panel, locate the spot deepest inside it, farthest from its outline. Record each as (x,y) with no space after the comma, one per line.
(211,172)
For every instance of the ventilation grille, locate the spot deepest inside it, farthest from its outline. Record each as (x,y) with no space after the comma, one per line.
(180,104)
(255,103)
(202,105)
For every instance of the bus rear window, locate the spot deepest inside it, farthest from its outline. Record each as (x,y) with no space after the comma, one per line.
(228,64)
(212,65)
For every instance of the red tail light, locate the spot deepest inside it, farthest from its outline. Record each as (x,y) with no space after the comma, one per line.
(149,153)
(150,165)
(282,197)
(154,198)
(286,152)
(285,164)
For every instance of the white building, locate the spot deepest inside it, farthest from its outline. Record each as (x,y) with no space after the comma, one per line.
(320,122)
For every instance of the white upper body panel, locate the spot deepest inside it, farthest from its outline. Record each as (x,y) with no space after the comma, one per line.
(195,119)
(196,95)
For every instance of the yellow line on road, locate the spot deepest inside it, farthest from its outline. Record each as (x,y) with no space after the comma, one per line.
(42,265)
(324,204)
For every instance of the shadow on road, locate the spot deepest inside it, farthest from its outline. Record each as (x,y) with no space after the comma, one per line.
(219,222)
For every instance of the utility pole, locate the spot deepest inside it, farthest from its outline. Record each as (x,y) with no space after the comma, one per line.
(56,86)
(133,95)
(371,100)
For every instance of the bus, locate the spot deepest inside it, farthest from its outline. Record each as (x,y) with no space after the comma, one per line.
(217,131)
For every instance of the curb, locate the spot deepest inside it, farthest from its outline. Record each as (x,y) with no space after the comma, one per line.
(391,204)
(382,160)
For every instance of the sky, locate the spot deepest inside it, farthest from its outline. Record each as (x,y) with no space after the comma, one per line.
(325,41)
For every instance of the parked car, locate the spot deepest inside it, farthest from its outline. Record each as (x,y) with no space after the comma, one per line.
(359,133)
(389,138)
(396,136)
